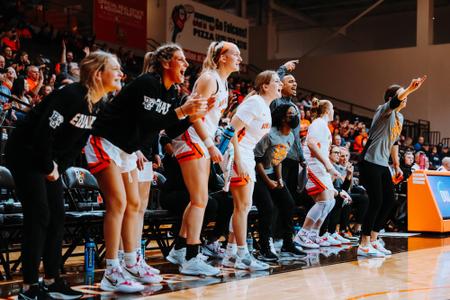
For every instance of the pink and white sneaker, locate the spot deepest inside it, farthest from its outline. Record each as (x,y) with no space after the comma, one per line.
(305,241)
(320,241)
(142,261)
(114,280)
(327,237)
(141,274)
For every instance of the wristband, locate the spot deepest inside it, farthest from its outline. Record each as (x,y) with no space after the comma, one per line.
(208,142)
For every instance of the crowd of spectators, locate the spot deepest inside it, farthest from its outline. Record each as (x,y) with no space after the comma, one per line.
(29,76)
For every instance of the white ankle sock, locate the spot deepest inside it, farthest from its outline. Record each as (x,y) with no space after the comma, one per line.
(130,258)
(112,263)
(303,232)
(231,249)
(242,250)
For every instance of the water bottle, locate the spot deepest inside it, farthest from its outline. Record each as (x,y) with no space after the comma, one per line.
(143,246)
(296,228)
(228,133)
(89,256)
(250,242)
(89,278)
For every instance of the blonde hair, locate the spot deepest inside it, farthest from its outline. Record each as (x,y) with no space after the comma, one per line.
(89,66)
(320,107)
(215,50)
(153,60)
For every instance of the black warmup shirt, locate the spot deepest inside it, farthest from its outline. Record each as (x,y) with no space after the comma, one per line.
(134,118)
(55,130)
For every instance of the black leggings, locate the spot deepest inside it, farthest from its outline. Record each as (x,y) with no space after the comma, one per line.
(378,182)
(266,200)
(43,220)
(290,175)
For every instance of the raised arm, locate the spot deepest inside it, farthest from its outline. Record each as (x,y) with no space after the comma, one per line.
(415,84)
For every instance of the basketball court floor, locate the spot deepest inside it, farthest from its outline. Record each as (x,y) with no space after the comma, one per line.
(418,269)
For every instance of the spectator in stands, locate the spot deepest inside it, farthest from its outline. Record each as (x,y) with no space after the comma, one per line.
(360,141)
(342,185)
(270,190)
(304,124)
(22,63)
(406,165)
(445,165)
(445,152)
(295,154)
(2,63)
(337,141)
(8,55)
(20,90)
(306,102)
(11,40)
(8,78)
(35,80)
(435,158)
(38,151)
(421,161)
(360,201)
(418,146)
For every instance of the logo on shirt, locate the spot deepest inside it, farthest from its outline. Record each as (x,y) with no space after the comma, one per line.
(157,105)
(265,126)
(83,121)
(279,153)
(80,176)
(56,119)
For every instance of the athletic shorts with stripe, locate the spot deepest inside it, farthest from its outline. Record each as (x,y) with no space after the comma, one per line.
(188,147)
(100,153)
(319,180)
(248,162)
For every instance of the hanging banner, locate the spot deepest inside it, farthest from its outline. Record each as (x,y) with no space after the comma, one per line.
(121,22)
(194,26)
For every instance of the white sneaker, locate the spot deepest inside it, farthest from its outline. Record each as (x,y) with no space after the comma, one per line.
(248,262)
(213,250)
(327,237)
(320,241)
(114,280)
(340,238)
(369,251)
(177,257)
(377,245)
(229,260)
(305,241)
(149,268)
(139,273)
(197,266)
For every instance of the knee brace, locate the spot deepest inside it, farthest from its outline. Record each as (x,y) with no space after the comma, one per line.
(316,212)
(329,206)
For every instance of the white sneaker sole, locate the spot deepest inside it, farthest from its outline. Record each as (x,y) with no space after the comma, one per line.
(198,273)
(107,287)
(146,280)
(367,254)
(56,295)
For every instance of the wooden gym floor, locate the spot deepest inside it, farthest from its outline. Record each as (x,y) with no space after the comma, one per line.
(418,269)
